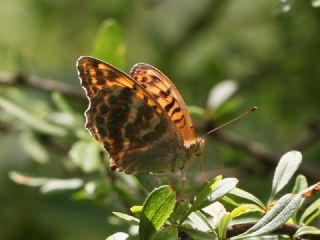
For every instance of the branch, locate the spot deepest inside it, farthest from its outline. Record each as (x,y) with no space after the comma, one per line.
(9,79)
(262,154)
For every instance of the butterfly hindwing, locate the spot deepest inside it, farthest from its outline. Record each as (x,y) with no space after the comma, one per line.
(128,121)
(166,94)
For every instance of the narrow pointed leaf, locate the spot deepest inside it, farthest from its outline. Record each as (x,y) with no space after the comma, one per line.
(307,230)
(246,195)
(156,210)
(300,184)
(244,209)
(126,217)
(222,188)
(204,193)
(276,217)
(118,236)
(223,225)
(310,210)
(286,168)
(32,121)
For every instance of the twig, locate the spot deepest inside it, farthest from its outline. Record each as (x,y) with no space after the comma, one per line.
(10,79)
(262,154)
(254,149)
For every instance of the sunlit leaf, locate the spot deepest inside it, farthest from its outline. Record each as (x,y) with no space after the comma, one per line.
(61,185)
(196,111)
(199,221)
(33,147)
(156,210)
(310,213)
(286,168)
(108,43)
(216,210)
(118,236)
(246,195)
(222,188)
(244,209)
(223,225)
(300,184)
(306,230)
(46,184)
(136,211)
(32,121)
(275,217)
(179,210)
(315,3)
(204,193)
(220,93)
(86,155)
(126,217)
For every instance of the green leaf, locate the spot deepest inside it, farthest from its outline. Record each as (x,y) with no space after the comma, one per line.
(221,93)
(276,217)
(200,222)
(156,210)
(136,210)
(61,103)
(244,209)
(196,111)
(32,121)
(167,233)
(300,184)
(86,155)
(126,217)
(118,236)
(46,184)
(310,213)
(108,43)
(306,230)
(248,196)
(32,146)
(196,234)
(222,188)
(286,168)
(216,210)
(203,194)
(315,3)
(179,211)
(223,225)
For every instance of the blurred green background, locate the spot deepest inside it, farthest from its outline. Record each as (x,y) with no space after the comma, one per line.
(270,49)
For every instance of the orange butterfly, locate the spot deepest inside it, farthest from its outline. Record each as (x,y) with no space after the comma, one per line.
(141,120)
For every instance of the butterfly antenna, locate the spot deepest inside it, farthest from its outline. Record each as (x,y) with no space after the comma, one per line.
(231,121)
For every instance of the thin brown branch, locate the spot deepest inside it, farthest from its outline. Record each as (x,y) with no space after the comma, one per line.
(262,154)
(254,149)
(43,84)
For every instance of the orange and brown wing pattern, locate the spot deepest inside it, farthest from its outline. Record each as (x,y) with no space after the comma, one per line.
(166,94)
(127,120)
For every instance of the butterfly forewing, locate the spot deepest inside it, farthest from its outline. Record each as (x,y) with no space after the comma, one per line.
(163,90)
(128,121)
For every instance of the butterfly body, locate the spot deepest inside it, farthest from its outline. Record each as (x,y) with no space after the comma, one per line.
(140,119)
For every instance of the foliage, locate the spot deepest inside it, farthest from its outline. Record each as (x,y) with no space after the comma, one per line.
(212,221)
(223,56)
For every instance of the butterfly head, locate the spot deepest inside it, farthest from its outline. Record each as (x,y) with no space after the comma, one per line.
(197,148)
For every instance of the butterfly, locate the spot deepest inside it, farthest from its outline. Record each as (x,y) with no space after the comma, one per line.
(141,119)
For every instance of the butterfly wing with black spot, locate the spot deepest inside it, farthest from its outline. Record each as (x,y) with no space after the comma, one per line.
(166,94)
(128,121)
